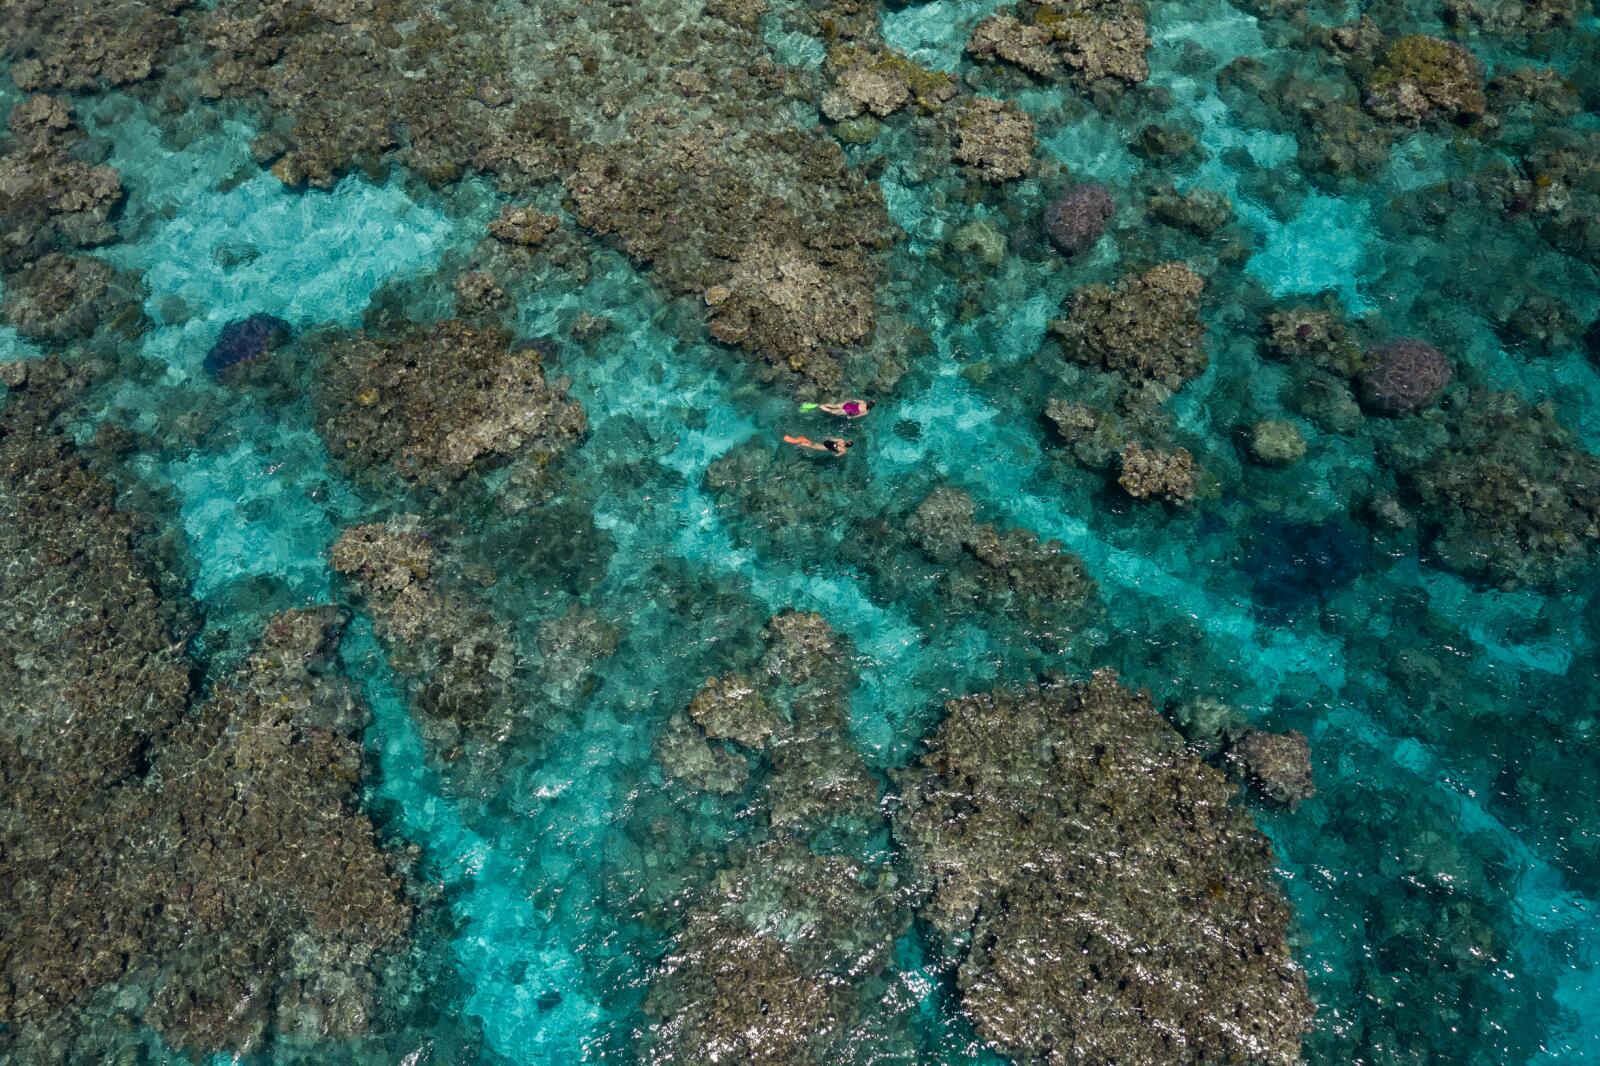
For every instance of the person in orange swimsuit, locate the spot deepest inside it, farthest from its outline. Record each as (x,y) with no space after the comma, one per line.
(831,445)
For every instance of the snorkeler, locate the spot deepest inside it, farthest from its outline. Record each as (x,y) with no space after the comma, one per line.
(831,445)
(847,409)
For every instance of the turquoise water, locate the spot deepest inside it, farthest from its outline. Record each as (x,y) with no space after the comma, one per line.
(1444,880)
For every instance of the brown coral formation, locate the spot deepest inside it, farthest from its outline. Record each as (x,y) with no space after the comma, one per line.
(1512,498)
(766,967)
(83,45)
(1148,474)
(1147,328)
(995,138)
(461,661)
(1277,764)
(50,200)
(59,298)
(1099,45)
(1012,571)
(1107,900)
(436,403)
(211,856)
(789,282)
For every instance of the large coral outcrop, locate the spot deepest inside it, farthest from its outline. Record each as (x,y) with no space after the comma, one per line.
(83,45)
(433,404)
(210,854)
(50,200)
(1511,498)
(1108,900)
(1147,328)
(1098,45)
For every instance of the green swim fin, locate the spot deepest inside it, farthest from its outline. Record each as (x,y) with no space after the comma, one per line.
(808,407)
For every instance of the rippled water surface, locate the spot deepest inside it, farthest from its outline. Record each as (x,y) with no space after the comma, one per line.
(1411,591)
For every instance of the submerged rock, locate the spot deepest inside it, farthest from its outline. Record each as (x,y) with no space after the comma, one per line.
(246,339)
(1106,899)
(1077,218)
(1403,376)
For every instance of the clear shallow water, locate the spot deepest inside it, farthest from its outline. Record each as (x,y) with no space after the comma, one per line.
(1424,843)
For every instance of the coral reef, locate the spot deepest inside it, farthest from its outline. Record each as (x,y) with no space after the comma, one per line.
(1148,474)
(1147,328)
(61,297)
(1077,218)
(460,660)
(765,966)
(1277,764)
(211,856)
(732,708)
(523,226)
(50,200)
(1099,45)
(878,82)
(993,571)
(790,283)
(1422,78)
(1511,498)
(1107,900)
(82,45)
(1403,376)
(995,138)
(434,404)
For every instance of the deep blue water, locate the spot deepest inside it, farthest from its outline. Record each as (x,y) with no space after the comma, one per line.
(1444,880)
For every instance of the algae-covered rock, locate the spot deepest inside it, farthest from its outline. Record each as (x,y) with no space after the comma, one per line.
(1105,897)
(1147,328)
(1422,77)
(980,238)
(1274,442)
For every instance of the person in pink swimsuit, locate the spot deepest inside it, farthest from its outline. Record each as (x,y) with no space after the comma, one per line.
(847,409)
